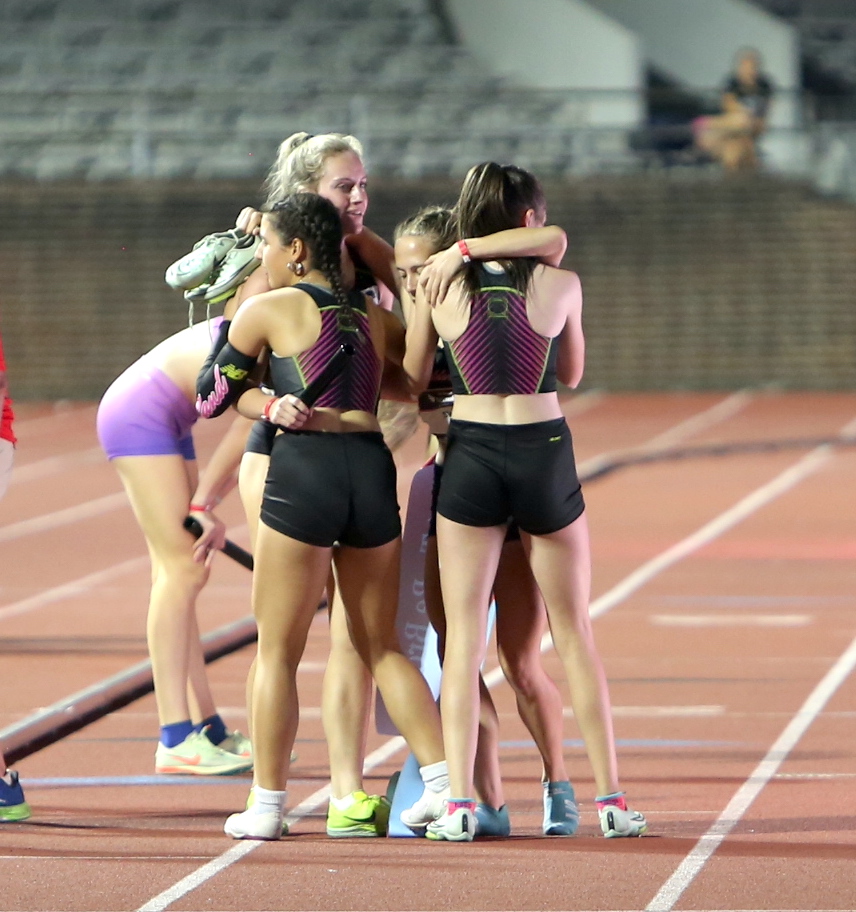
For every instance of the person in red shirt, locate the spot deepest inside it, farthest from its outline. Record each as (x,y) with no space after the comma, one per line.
(7,435)
(12,803)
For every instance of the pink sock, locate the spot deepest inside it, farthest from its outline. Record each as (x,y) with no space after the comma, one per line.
(616,799)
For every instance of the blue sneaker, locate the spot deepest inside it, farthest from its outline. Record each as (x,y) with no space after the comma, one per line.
(561,816)
(492,822)
(12,804)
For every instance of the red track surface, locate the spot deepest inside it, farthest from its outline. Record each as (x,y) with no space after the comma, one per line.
(724,596)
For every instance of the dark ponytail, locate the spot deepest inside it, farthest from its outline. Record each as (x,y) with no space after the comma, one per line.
(496,198)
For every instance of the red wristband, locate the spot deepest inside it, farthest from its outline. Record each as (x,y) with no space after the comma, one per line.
(199,508)
(465,251)
(268,407)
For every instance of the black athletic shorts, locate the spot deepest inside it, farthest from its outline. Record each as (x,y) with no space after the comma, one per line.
(325,488)
(513,533)
(260,439)
(526,472)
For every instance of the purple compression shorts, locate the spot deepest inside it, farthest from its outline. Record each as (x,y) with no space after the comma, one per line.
(143,413)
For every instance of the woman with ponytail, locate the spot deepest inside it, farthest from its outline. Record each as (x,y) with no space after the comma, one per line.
(511,328)
(331,480)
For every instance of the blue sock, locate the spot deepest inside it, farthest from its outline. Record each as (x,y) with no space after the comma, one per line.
(216,728)
(175,733)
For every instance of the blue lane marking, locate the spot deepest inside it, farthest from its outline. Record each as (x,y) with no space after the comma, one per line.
(123,781)
(100,781)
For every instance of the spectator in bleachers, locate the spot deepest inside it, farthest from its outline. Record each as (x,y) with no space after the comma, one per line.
(732,136)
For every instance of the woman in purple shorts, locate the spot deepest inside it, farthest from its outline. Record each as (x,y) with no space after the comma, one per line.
(145,421)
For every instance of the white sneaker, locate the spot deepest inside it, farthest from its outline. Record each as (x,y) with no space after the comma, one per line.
(615,822)
(253,825)
(238,263)
(459,826)
(427,809)
(207,255)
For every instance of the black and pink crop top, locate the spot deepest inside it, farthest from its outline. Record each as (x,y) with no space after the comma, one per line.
(358,387)
(499,353)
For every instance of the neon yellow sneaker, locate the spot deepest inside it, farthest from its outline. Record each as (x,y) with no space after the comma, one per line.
(197,756)
(368,815)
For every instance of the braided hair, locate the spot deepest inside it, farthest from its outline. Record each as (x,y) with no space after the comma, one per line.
(315,220)
(494,198)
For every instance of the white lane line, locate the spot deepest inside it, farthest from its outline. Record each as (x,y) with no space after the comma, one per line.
(783,482)
(579,405)
(91,581)
(698,856)
(56,465)
(753,502)
(811,776)
(681,431)
(691,866)
(49,521)
(241,849)
(731,620)
(660,712)
(729,407)
(75,587)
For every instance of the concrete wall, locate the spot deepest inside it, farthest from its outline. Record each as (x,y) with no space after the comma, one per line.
(561,45)
(688,283)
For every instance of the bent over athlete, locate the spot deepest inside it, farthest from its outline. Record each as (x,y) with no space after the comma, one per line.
(331,479)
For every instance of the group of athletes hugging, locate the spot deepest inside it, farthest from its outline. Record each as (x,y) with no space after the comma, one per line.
(491,324)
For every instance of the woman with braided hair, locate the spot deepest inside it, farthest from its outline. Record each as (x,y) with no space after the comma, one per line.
(331,165)
(331,480)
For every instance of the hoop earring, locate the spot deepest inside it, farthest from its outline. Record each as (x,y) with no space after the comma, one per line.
(297,268)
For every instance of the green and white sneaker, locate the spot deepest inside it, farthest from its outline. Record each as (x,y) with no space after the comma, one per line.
(238,263)
(197,756)
(238,744)
(207,256)
(368,815)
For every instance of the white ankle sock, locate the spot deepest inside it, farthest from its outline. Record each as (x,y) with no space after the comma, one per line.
(266,801)
(342,804)
(435,776)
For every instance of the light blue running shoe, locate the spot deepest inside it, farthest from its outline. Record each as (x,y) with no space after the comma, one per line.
(492,822)
(561,815)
